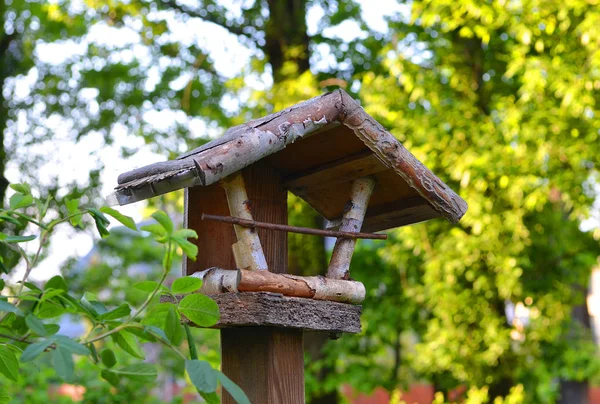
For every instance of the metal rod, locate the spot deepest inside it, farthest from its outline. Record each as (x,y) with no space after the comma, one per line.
(292,229)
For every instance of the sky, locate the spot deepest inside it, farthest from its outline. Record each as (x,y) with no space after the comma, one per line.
(71,161)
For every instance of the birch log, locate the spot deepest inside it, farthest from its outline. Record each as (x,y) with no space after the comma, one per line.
(339,266)
(248,252)
(217,280)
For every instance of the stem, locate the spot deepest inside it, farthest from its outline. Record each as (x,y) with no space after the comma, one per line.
(31,264)
(166,270)
(25,217)
(190,341)
(129,322)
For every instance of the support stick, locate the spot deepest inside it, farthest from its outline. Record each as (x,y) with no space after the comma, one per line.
(292,229)
(217,280)
(248,252)
(339,266)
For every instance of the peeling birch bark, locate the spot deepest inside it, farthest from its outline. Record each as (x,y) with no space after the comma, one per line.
(339,266)
(248,252)
(312,287)
(217,280)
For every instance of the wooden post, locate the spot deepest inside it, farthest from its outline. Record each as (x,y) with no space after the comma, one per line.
(339,266)
(266,362)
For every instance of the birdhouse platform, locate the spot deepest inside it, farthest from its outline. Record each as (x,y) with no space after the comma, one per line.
(329,152)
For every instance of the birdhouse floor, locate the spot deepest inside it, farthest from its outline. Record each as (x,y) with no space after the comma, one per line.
(264,309)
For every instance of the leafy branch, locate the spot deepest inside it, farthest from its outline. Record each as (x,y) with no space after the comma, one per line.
(27,329)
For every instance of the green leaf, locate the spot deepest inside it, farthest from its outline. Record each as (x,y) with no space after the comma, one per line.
(62,360)
(202,375)
(73,209)
(108,358)
(4,396)
(210,398)
(94,306)
(128,342)
(173,327)
(110,377)
(157,332)
(200,310)
(71,345)
(185,234)
(164,220)
(101,221)
(189,249)
(156,315)
(32,286)
(155,229)
(10,219)
(143,372)
(6,306)
(142,334)
(2,284)
(23,188)
(50,309)
(56,282)
(148,286)
(9,364)
(50,293)
(233,389)
(34,350)
(43,207)
(124,220)
(18,201)
(187,284)
(51,329)
(16,239)
(35,325)
(118,312)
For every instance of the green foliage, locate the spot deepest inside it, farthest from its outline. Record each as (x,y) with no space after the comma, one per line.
(26,335)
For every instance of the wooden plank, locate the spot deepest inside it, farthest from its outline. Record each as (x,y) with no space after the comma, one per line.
(269,204)
(256,309)
(214,240)
(340,171)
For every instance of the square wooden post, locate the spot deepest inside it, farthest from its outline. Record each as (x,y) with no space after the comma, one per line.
(266,362)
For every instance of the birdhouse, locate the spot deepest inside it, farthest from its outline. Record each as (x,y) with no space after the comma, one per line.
(327,151)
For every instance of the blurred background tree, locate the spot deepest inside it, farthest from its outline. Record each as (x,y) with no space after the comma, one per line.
(500,99)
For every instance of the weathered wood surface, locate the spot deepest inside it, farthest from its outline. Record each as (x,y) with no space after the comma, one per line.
(247,251)
(266,354)
(258,309)
(251,224)
(339,265)
(339,171)
(214,241)
(217,280)
(248,143)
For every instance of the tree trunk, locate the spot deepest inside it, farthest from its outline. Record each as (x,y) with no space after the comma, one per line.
(6,68)
(572,391)
(287,39)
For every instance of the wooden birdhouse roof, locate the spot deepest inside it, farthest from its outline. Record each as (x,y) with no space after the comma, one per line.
(319,147)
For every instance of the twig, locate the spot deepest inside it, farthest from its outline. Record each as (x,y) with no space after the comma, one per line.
(292,229)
